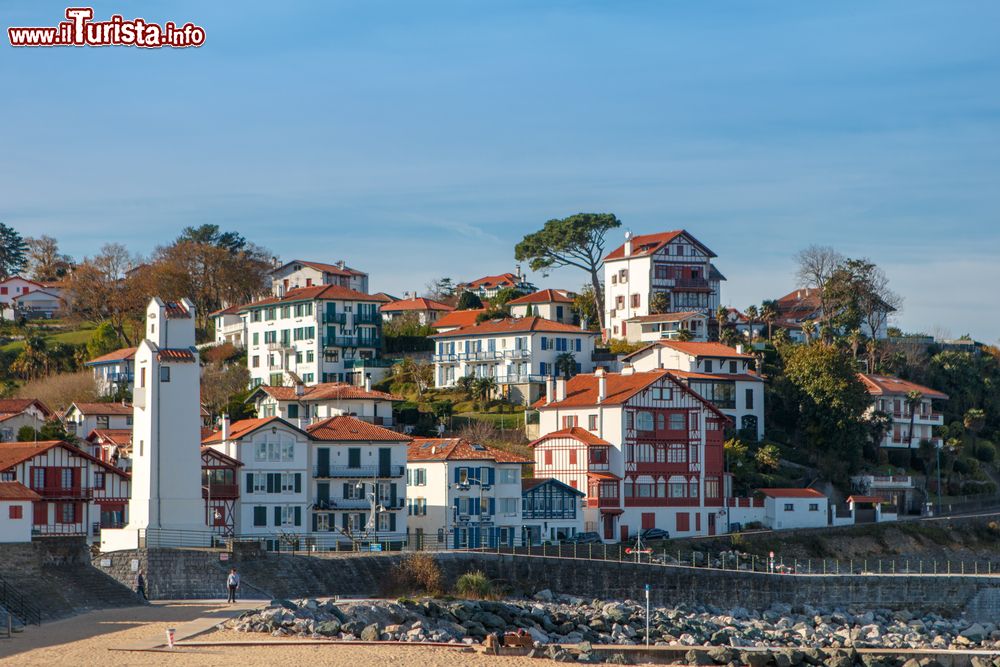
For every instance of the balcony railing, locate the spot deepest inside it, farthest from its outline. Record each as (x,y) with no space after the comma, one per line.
(367,318)
(221,491)
(482,355)
(279,346)
(360,472)
(368,363)
(520,379)
(445,358)
(604,501)
(333,318)
(75,492)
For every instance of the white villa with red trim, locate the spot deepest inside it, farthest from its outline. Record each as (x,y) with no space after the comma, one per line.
(890,395)
(423,309)
(646,449)
(551,304)
(673,263)
(716,372)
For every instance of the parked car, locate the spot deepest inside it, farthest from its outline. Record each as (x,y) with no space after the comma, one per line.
(584,538)
(654,534)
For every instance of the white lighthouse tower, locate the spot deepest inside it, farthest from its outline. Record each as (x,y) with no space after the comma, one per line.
(166,433)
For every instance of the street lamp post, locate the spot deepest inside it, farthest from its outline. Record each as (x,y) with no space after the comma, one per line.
(376,508)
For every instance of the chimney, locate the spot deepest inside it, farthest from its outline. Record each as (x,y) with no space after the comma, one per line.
(368,381)
(628,243)
(550,390)
(560,389)
(602,384)
(583,323)
(627,369)
(300,390)
(225,428)
(739,348)
(340,263)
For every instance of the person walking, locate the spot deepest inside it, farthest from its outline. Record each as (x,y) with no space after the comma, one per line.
(232,583)
(140,587)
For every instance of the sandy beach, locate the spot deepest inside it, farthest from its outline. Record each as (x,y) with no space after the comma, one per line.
(87,639)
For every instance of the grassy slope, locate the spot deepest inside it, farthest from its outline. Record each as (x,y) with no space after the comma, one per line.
(71,336)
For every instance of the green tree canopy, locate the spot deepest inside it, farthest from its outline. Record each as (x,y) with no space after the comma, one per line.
(469,301)
(574,241)
(13,252)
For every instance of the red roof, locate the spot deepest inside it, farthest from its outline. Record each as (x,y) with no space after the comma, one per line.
(419,303)
(513,325)
(101,408)
(231,310)
(335,269)
(581,390)
(666,317)
(885,385)
(13,453)
(15,406)
(240,428)
(353,429)
(603,475)
(327,391)
(13,278)
(176,310)
(543,296)
(118,355)
(17,491)
(647,244)
(695,349)
(575,432)
(502,280)
(867,499)
(311,294)
(458,318)
(383,297)
(172,354)
(114,436)
(791,493)
(458,449)
(222,458)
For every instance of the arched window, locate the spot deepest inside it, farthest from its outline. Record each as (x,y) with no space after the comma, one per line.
(644,421)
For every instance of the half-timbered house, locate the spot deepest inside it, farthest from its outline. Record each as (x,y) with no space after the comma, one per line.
(221,490)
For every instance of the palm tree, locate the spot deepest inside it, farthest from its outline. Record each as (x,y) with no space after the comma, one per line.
(808,329)
(854,340)
(912,403)
(769,314)
(974,420)
(466,383)
(566,363)
(729,337)
(721,315)
(752,315)
(484,388)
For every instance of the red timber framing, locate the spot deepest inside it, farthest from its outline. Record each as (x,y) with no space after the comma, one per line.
(220,489)
(669,461)
(80,493)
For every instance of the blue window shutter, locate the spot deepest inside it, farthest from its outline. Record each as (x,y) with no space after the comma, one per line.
(298,515)
(343,520)
(392,522)
(458,505)
(541,368)
(298,483)
(578,344)
(249,482)
(493,475)
(315,522)
(392,495)
(545,343)
(270,483)
(456,474)
(277,515)
(493,506)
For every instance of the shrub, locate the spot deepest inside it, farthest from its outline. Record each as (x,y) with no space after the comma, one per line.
(986,451)
(416,573)
(474,585)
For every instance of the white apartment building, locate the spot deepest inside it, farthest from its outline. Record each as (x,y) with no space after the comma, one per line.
(300,273)
(82,418)
(302,406)
(716,372)
(230,327)
(274,485)
(518,353)
(646,450)
(114,371)
(795,508)
(659,326)
(357,467)
(325,333)
(462,494)
(909,425)
(674,263)
(549,304)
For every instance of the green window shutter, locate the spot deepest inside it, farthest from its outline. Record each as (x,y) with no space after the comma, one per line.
(392,522)
(277,515)
(270,483)
(315,522)
(392,496)
(346,491)
(249,482)
(260,516)
(298,515)
(354,457)
(343,520)
(298,483)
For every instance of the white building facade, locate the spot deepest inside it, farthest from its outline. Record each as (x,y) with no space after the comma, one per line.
(81,418)
(300,273)
(518,353)
(910,424)
(549,304)
(795,508)
(462,494)
(673,263)
(667,326)
(114,372)
(313,334)
(302,406)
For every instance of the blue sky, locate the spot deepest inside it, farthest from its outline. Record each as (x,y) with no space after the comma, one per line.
(421,139)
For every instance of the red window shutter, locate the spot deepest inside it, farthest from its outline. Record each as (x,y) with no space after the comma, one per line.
(648,520)
(572,483)
(572,457)
(548,457)
(683,522)
(40,513)
(697,521)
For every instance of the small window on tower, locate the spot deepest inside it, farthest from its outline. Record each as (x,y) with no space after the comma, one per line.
(164,373)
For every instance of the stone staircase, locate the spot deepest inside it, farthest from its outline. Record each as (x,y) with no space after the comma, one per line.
(58,579)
